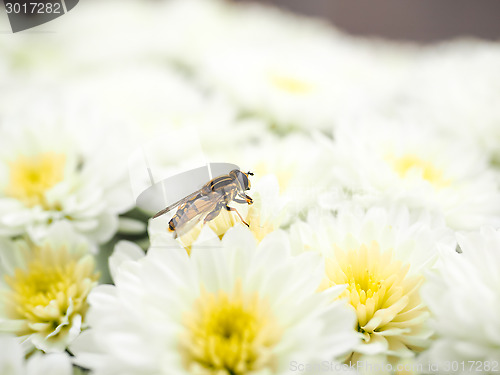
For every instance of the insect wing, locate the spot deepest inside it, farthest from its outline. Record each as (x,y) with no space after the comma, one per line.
(214,185)
(193,212)
(172,206)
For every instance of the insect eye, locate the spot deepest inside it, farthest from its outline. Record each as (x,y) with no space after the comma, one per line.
(243,179)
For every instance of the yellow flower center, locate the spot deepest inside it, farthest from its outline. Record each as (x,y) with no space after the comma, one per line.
(384,296)
(229,334)
(50,290)
(290,84)
(403,165)
(31,177)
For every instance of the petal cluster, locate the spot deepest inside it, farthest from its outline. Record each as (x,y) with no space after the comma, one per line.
(463,298)
(44,288)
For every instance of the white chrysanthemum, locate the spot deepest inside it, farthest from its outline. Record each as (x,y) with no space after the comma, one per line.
(51,172)
(67,47)
(304,82)
(12,360)
(298,164)
(264,216)
(175,125)
(464,299)
(172,103)
(231,308)
(455,86)
(120,94)
(292,71)
(44,287)
(227,23)
(382,256)
(381,163)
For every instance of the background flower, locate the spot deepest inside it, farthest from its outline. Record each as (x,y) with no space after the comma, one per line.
(381,163)
(463,297)
(382,256)
(53,172)
(12,360)
(44,287)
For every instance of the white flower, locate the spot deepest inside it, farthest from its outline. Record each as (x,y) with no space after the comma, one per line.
(298,81)
(175,127)
(382,256)
(171,102)
(223,24)
(51,172)
(455,87)
(298,164)
(44,287)
(12,360)
(295,72)
(382,163)
(232,307)
(464,299)
(49,58)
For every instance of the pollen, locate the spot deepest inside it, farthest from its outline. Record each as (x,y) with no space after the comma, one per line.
(30,177)
(290,84)
(50,291)
(429,172)
(229,333)
(380,290)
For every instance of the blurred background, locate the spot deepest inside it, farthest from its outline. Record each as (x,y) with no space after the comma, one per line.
(406,20)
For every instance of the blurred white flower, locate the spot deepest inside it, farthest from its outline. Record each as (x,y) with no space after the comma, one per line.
(174,123)
(52,172)
(299,165)
(291,87)
(383,163)
(233,307)
(292,71)
(67,47)
(464,298)
(381,256)
(44,287)
(224,23)
(157,99)
(455,87)
(12,360)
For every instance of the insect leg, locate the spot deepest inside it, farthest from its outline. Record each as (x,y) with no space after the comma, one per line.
(239,200)
(235,210)
(246,198)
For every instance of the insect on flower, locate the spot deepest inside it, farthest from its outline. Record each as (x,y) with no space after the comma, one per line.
(208,202)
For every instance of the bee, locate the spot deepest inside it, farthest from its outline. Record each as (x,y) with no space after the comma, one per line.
(209,201)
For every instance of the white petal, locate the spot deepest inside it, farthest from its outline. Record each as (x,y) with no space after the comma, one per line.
(54,364)
(11,356)
(124,251)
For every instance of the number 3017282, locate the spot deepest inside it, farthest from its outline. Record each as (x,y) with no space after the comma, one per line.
(33,8)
